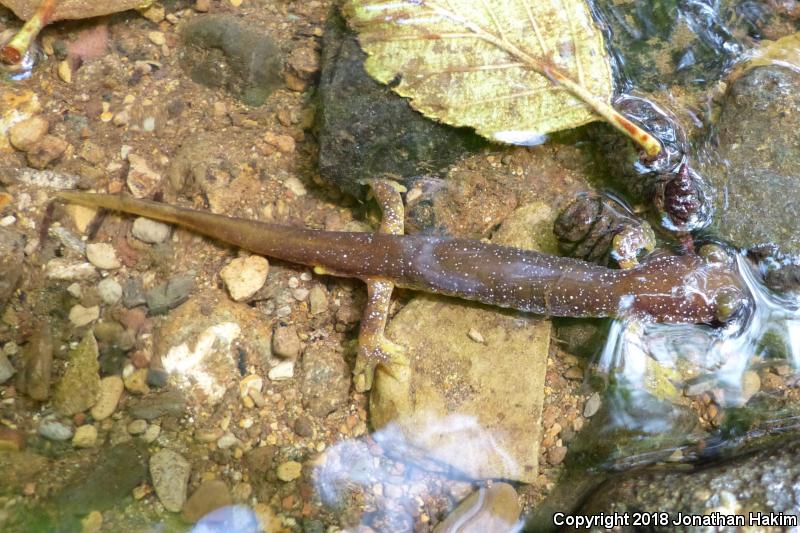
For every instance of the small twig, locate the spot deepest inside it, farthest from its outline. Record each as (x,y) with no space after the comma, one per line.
(13,52)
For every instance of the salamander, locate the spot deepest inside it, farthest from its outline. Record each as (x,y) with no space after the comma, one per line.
(669,289)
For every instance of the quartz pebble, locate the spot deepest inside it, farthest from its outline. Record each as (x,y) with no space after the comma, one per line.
(282,371)
(111,388)
(64,270)
(228,440)
(110,291)
(103,256)
(150,231)
(245,276)
(289,471)
(85,436)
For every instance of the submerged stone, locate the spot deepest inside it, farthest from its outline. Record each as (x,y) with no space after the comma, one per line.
(758,160)
(224,51)
(761,482)
(106,482)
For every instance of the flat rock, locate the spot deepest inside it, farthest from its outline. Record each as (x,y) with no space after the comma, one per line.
(170,471)
(473,405)
(105,482)
(169,295)
(79,387)
(152,406)
(38,364)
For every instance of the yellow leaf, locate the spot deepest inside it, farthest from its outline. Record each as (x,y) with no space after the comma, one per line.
(515,70)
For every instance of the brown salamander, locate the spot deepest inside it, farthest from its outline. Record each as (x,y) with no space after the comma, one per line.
(672,289)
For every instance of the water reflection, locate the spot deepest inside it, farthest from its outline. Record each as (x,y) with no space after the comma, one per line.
(657,369)
(351,468)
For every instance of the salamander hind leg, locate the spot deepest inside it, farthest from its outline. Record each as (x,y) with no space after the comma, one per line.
(374,349)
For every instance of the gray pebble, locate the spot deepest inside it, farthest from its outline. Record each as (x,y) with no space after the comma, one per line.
(110,291)
(170,471)
(592,405)
(52,429)
(150,231)
(171,294)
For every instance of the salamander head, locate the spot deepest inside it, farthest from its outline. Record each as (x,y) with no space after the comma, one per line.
(701,289)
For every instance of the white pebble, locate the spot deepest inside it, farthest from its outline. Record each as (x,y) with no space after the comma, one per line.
(102,255)
(282,371)
(245,276)
(63,270)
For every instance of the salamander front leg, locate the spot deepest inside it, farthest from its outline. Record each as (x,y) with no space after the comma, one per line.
(374,349)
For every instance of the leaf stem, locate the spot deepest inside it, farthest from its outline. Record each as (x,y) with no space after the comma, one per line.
(13,52)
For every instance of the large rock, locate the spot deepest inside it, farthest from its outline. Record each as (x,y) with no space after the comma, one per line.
(472,397)
(755,178)
(367,131)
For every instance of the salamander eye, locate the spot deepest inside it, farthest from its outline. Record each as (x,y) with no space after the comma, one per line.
(732,305)
(714,254)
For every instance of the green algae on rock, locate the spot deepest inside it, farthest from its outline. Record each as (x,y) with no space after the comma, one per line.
(79,387)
